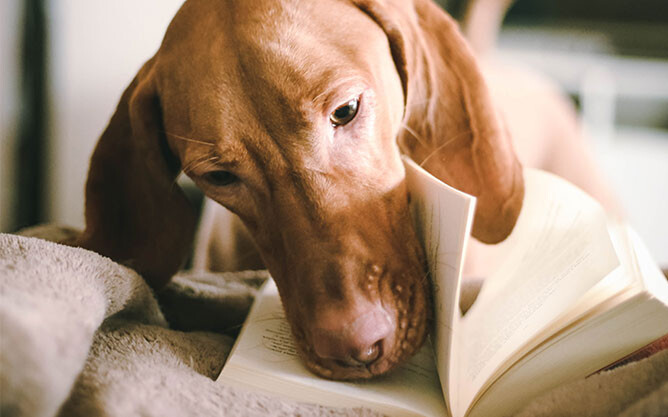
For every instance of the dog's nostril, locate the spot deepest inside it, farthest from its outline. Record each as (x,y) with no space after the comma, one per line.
(364,357)
(369,355)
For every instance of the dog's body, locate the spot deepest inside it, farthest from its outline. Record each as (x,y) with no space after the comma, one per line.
(293,114)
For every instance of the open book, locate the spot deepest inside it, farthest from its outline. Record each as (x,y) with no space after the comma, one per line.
(571,295)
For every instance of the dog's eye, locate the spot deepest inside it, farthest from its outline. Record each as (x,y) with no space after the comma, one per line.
(220,178)
(345,113)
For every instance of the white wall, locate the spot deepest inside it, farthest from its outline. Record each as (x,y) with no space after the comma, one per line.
(96,49)
(9,39)
(636,164)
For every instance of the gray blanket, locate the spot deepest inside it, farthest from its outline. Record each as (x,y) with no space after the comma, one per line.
(83,336)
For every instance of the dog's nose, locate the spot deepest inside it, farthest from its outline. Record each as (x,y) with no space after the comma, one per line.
(352,339)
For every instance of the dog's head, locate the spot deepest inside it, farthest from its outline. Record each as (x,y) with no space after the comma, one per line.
(292,114)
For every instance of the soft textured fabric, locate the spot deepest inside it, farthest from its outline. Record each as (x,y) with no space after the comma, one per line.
(53,299)
(83,336)
(637,389)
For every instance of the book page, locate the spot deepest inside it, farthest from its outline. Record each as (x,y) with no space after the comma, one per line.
(606,337)
(265,358)
(616,327)
(555,360)
(443,217)
(558,250)
(620,280)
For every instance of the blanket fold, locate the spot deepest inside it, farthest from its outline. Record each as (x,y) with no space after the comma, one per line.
(52,300)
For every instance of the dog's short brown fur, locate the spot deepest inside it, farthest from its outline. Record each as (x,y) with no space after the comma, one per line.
(247,88)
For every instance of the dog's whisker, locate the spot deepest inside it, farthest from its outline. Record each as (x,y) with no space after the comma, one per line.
(414,134)
(187,139)
(443,145)
(199,162)
(191,166)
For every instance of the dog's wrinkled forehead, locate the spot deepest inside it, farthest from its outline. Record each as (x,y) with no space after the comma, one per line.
(267,61)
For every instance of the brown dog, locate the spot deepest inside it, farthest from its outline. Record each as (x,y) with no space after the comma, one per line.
(293,114)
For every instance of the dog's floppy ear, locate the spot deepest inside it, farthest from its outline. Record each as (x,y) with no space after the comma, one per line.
(451,127)
(135,212)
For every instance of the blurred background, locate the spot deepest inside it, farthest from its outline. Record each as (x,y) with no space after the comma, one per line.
(65,64)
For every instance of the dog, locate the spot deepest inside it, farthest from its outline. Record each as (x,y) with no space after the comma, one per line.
(293,115)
